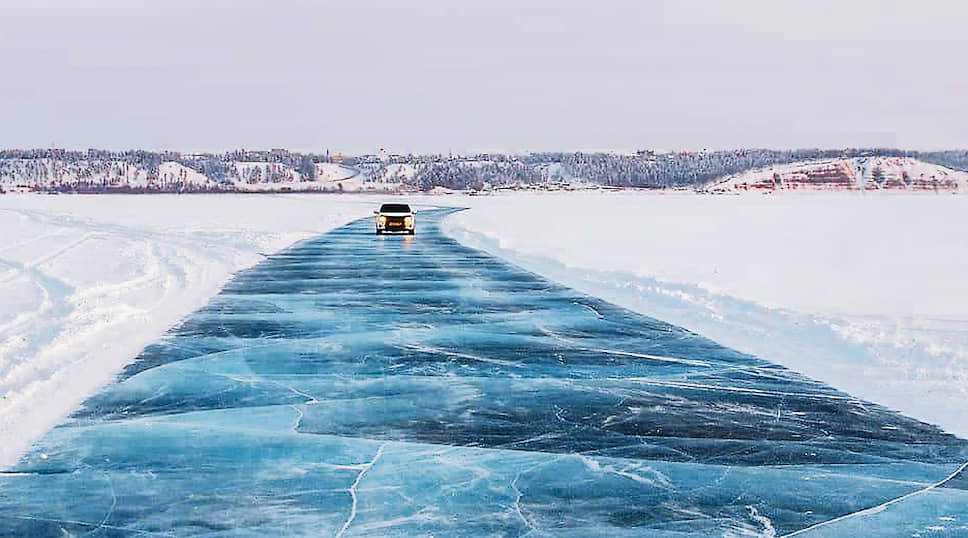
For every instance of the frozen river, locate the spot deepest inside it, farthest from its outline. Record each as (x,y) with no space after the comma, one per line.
(363,385)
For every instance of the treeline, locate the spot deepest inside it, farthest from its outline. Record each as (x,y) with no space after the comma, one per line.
(957,159)
(476,176)
(646,169)
(217,166)
(88,187)
(149,160)
(693,169)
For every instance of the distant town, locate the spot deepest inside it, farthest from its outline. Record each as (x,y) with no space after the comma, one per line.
(280,170)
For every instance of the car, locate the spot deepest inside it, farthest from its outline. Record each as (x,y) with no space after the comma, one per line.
(395,218)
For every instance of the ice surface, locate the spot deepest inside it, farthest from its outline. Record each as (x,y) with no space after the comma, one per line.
(356,385)
(864,292)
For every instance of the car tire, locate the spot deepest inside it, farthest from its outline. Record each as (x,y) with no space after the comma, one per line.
(379,232)
(411,232)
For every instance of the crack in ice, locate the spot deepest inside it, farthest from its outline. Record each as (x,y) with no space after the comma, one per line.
(769,531)
(517,505)
(438,351)
(89,524)
(880,507)
(363,469)
(114,503)
(744,390)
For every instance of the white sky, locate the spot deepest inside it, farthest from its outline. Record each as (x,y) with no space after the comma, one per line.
(438,76)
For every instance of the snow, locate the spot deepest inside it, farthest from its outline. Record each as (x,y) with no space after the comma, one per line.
(859,173)
(87,281)
(172,172)
(243,176)
(333,176)
(51,172)
(333,172)
(259,172)
(259,176)
(865,292)
(399,172)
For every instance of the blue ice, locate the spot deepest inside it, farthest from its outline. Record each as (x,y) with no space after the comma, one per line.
(357,385)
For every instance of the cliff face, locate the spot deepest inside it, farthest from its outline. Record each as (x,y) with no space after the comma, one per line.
(860,173)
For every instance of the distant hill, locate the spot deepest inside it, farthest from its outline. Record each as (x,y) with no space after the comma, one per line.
(858,173)
(75,172)
(94,171)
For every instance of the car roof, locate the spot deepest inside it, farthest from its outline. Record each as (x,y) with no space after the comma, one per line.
(395,208)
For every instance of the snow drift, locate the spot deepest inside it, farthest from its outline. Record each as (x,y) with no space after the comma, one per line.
(88,281)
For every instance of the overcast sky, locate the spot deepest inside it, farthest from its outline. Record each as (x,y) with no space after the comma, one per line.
(439,76)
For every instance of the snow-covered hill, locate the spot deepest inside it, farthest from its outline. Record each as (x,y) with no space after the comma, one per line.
(174,173)
(861,173)
(54,174)
(399,172)
(253,173)
(47,173)
(333,176)
(332,172)
(96,175)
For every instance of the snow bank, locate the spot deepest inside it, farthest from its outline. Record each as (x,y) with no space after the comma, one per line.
(865,292)
(87,281)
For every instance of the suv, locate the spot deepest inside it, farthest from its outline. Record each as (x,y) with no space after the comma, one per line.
(394,218)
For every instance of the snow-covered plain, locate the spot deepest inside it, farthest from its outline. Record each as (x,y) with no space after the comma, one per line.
(87,281)
(864,291)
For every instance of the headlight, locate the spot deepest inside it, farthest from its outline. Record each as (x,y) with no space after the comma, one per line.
(381,220)
(408,222)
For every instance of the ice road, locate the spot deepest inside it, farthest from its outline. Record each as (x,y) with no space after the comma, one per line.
(356,385)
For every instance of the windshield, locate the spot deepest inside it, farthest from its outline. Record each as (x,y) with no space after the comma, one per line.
(394,208)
